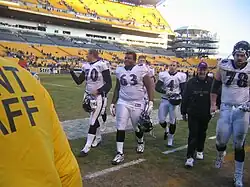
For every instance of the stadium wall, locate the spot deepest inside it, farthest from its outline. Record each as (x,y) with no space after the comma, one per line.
(84,33)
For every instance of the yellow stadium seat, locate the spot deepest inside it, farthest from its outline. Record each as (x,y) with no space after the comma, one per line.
(26,48)
(58,4)
(31,1)
(53,50)
(74,51)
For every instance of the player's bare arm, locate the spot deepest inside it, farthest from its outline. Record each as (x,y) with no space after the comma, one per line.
(78,80)
(214,92)
(147,81)
(115,97)
(116,92)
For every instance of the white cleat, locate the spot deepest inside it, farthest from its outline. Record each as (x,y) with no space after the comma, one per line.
(119,158)
(238,180)
(189,163)
(170,140)
(140,148)
(199,156)
(96,141)
(220,159)
(84,151)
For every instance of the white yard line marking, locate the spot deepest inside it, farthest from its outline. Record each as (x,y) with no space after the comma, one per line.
(115,168)
(134,162)
(174,150)
(59,85)
(183,147)
(212,137)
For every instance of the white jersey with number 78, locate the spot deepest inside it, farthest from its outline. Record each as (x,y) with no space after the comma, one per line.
(235,82)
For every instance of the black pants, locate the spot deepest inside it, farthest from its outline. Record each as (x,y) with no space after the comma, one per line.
(197,134)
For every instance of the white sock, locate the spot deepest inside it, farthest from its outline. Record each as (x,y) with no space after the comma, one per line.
(98,132)
(119,147)
(140,140)
(90,139)
(239,167)
(167,130)
(170,135)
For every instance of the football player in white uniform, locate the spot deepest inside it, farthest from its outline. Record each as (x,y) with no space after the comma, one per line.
(233,75)
(151,72)
(97,76)
(171,85)
(128,101)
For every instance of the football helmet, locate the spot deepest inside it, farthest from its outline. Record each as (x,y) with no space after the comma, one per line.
(144,123)
(89,103)
(175,99)
(242,47)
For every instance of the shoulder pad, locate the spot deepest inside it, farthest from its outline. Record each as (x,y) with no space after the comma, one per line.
(225,64)
(161,74)
(224,61)
(118,69)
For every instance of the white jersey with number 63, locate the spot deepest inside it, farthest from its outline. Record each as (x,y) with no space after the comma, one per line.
(235,82)
(131,83)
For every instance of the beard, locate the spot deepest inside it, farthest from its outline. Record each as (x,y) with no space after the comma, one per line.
(240,63)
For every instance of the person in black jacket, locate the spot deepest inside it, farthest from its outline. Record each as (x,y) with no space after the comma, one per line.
(196,104)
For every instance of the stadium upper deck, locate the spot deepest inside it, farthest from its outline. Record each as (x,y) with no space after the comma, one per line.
(116,14)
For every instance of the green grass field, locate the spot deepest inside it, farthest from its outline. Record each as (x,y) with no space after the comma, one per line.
(158,170)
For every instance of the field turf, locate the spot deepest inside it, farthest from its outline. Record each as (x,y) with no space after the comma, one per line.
(158,169)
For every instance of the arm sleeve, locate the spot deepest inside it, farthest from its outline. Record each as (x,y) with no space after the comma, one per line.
(78,80)
(158,87)
(185,97)
(108,82)
(65,162)
(159,84)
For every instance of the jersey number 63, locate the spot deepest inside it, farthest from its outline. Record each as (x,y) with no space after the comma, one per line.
(128,80)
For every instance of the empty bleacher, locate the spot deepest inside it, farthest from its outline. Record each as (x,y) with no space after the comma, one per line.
(145,18)
(51,49)
(27,49)
(7,35)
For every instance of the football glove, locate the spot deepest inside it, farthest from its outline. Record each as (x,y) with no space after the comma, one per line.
(150,107)
(112,109)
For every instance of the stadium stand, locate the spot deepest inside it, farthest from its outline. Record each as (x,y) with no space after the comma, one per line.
(44,49)
(144,18)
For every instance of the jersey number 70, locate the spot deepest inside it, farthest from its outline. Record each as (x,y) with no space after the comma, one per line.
(242,79)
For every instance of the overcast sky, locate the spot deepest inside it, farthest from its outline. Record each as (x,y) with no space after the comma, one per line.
(229,18)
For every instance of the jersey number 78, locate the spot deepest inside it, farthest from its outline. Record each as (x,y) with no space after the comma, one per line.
(242,79)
